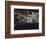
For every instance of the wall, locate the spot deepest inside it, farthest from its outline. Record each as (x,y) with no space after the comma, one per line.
(2,19)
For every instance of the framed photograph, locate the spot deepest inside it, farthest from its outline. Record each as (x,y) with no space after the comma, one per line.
(24,19)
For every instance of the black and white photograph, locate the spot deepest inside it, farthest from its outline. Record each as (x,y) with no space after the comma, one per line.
(26,19)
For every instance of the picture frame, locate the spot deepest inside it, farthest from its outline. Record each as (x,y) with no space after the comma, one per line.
(14,7)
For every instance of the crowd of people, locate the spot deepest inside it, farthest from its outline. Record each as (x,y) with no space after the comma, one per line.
(26,18)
